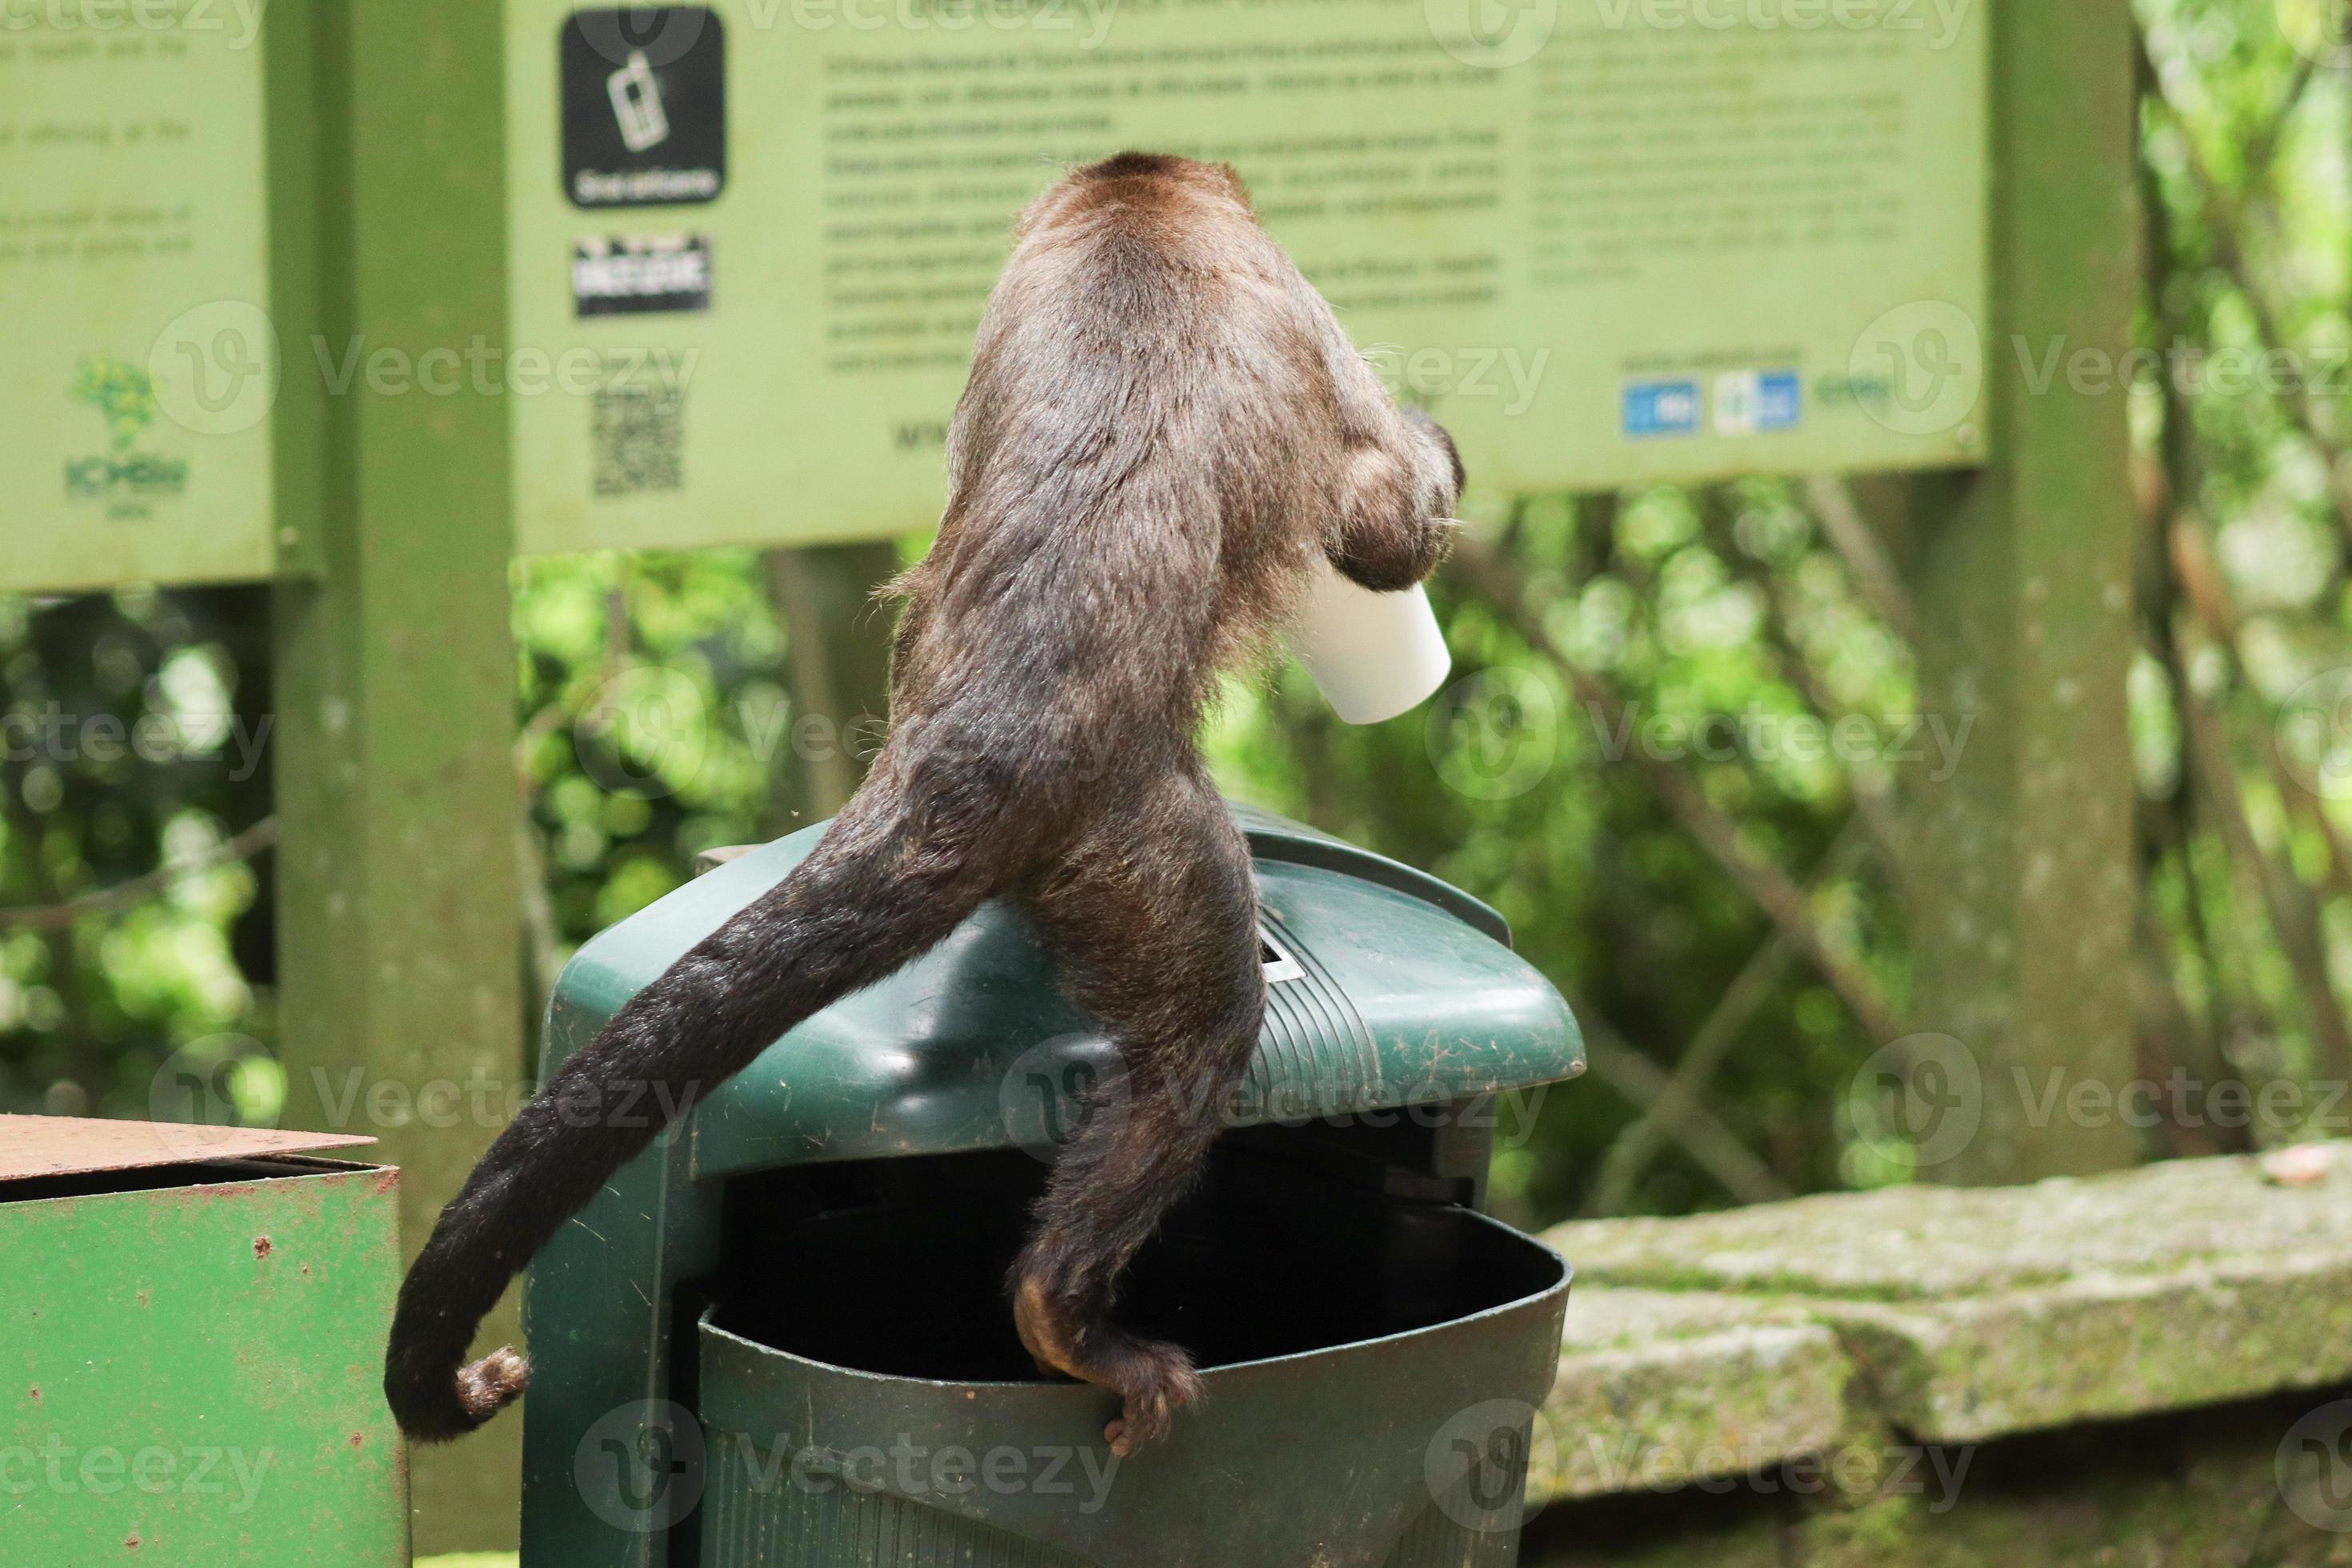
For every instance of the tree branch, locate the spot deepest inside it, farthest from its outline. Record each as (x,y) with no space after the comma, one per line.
(1715,1147)
(1641,1141)
(107,901)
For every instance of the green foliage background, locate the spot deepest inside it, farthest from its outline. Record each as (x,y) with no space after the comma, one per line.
(1728,602)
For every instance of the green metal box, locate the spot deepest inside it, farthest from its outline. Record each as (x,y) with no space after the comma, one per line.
(191,1341)
(779,1337)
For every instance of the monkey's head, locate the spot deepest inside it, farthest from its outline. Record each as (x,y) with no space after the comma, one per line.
(1222,178)
(1146,176)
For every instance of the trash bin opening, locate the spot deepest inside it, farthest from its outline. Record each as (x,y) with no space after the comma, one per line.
(897,1267)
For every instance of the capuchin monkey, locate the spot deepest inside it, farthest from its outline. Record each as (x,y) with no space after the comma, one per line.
(1165,428)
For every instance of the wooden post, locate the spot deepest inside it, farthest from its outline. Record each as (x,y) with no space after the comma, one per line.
(401,985)
(2024,933)
(836,667)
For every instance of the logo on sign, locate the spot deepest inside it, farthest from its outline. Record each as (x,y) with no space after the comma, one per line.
(636,93)
(1662,408)
(640,274)
(123,393)
(1752,402)
(645,107)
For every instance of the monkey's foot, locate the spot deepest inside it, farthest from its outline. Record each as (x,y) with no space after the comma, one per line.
(493,1383)
(1152,1379)
(434,1405)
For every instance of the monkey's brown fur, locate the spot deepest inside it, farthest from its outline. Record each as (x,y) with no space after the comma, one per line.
(1164,426)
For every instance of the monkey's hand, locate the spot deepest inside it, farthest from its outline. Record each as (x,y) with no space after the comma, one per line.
(1397,498)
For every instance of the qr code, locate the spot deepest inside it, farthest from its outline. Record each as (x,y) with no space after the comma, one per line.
(638,438)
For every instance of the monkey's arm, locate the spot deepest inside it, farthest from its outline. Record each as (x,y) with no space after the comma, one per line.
(1399,474)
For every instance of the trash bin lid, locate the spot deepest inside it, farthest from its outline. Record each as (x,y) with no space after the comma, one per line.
(1387,988)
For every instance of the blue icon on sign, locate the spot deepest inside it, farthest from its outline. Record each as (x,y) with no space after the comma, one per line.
(1662,408)
(1779,403)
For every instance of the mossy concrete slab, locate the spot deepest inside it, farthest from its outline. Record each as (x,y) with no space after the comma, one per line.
(2206,1490)
(2258,1484)
(1975,1368)
(1980,1313)
(1657,1390)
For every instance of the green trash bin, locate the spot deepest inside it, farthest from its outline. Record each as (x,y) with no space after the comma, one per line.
(780,1337)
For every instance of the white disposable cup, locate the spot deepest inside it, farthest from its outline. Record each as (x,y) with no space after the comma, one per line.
(1373,656)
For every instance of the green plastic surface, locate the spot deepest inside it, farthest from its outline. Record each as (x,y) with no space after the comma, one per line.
(1352,1453)
(1407,998)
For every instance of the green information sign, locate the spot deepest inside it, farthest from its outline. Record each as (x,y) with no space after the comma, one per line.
(1608,241)
(141,364)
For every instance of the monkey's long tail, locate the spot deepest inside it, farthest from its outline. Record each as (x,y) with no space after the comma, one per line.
(898,872)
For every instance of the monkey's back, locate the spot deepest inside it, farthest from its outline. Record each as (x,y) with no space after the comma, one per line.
(1136,463)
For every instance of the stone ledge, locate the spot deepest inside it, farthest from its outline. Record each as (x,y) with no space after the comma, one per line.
(1659,1389)
(1731,1342)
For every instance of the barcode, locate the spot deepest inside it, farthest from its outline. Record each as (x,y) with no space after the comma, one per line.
(638,438)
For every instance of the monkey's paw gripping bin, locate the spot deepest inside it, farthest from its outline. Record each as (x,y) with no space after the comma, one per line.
(780,1337)
(192,1327)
